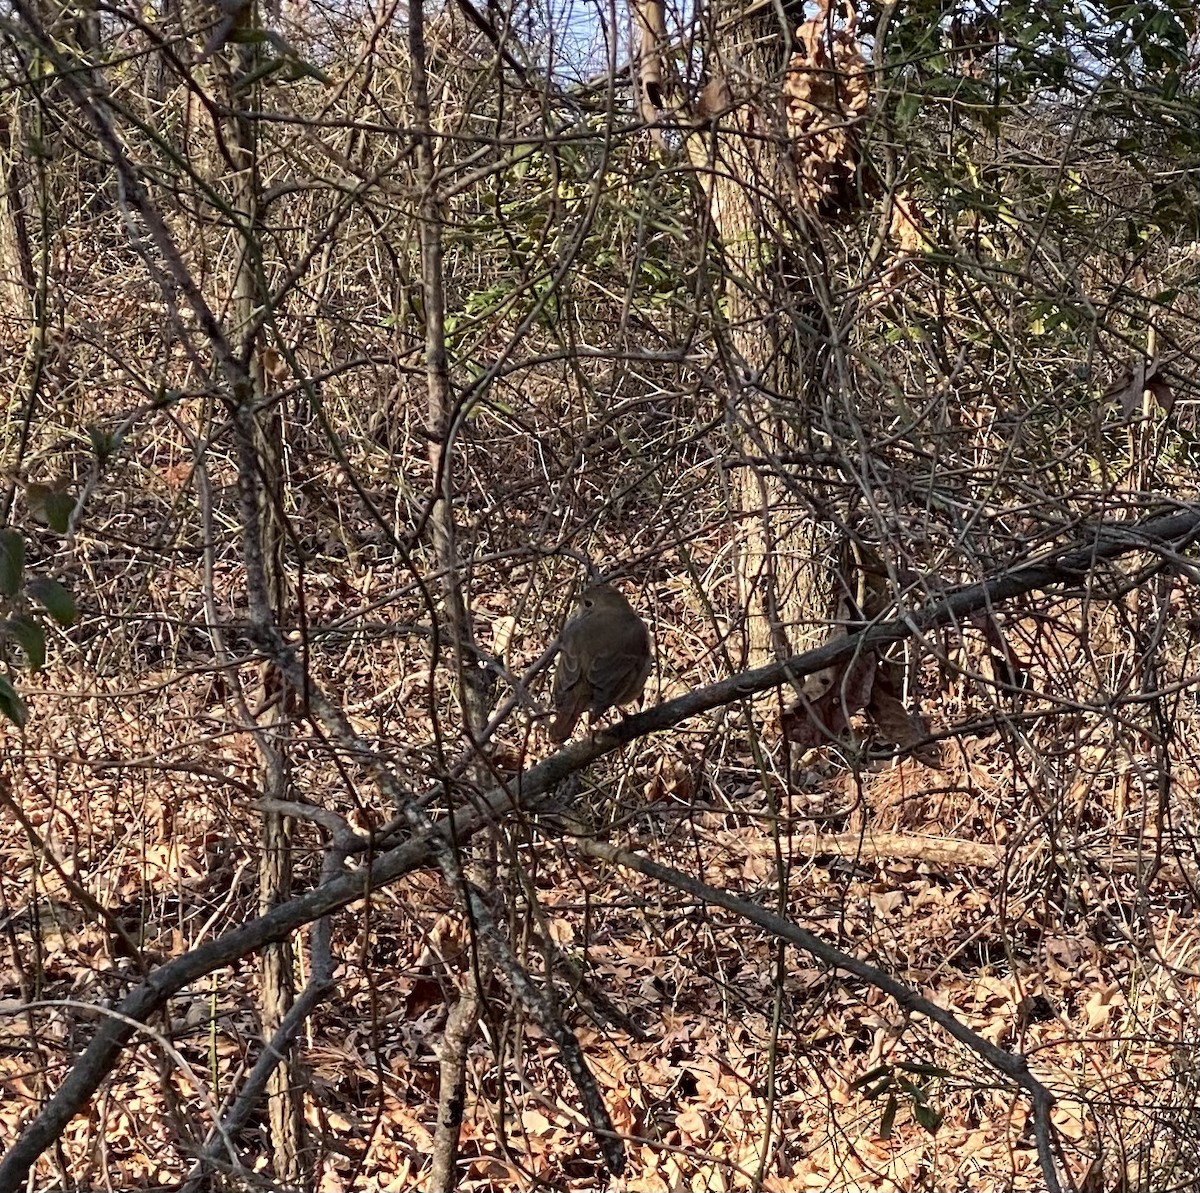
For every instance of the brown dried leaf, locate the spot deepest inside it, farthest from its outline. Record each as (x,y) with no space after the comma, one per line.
(691,1123)
(503,629)
(829,699)
(1007,668)
(1162,392)
(1134,382)
(671,779)
(894,723)
(909,226)
(826,93)
(274,365)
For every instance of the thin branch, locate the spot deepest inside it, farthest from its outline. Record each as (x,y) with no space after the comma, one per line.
(319,985)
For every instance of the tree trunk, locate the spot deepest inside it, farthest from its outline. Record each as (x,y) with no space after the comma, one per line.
(16,257)
(463,1019)
(772,141)
(285,1089)
(772,277)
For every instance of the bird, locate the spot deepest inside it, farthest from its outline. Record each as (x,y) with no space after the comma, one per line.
(603,662)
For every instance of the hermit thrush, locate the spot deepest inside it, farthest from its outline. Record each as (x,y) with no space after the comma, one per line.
(603,661)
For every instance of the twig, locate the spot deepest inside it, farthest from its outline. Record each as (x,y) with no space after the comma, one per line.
(443,850)
(452,1081)
(317,988)
(942,851)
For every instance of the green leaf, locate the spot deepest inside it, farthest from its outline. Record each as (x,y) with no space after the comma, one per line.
(55,599)
(299,69)
(927,1116)
(908,107)
(871,1077)
(12,562)
(922,1069)
(57,510)
(888,1119)
(31,638)
(262,71)
(247,36)
(102,443)
(11,705)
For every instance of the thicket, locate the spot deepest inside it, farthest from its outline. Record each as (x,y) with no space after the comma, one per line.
(337,354)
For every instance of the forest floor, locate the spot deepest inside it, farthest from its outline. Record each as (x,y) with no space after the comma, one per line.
(1040,884)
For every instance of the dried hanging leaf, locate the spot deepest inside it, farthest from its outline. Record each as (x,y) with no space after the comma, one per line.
(973,44)
(1007,668)
(828,699)
(714,101)
(672,780)
(895,723)
(1162,392)
(826,95)
(503,629)
(1144,376)
(274,365)
(909,226)
(650,19)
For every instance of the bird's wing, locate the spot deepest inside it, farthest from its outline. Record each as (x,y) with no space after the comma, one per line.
(567,711)
(617,678)
(567,675)
(570,695)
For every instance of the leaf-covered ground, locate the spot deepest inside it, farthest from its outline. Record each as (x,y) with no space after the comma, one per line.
(1041,885)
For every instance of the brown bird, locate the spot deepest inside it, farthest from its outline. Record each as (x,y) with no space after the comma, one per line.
(604,659)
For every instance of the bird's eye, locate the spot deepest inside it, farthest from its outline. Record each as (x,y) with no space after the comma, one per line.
(588,603)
